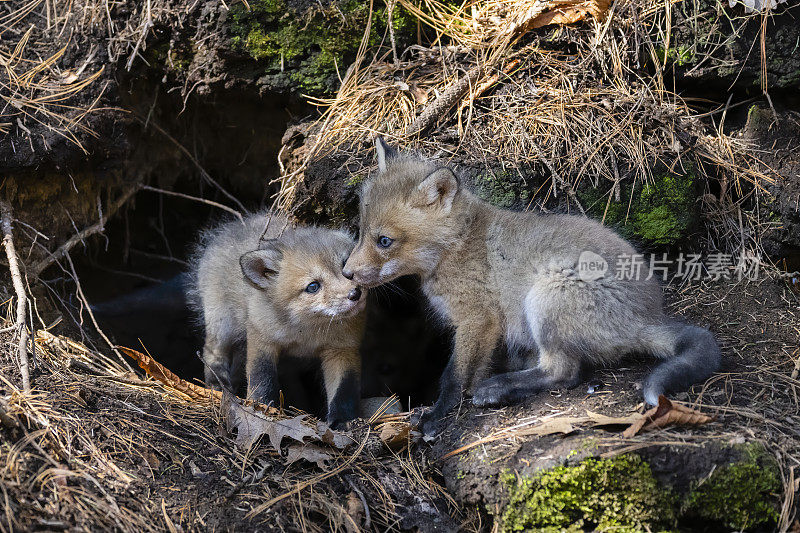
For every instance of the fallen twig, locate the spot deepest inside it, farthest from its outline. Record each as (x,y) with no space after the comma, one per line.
(195,199)
(97,227)
(300,486)
(6,216)
(450,97)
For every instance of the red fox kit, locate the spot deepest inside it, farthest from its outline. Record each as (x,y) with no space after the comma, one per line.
(285,295)
(511,280)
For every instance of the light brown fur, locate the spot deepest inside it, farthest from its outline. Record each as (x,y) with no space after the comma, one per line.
(252,295)
(510,281)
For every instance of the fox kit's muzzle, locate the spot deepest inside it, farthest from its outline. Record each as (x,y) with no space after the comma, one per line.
(359,270)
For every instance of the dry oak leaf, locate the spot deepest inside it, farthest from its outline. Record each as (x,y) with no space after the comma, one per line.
(396,435)
(251,424)
(337,439)
(310,452)
(667,413)
(160,373)
(569,12)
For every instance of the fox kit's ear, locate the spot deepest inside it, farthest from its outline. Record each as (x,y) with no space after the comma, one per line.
(384,153)
(259,266)
(438,189)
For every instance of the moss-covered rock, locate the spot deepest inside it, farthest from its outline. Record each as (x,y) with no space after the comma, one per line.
(740,495)
(662,212)
(498,188)
(626,494)
(308,46)
(618,494)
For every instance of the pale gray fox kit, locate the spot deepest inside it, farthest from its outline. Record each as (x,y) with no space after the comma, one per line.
(284,294)
(510,281)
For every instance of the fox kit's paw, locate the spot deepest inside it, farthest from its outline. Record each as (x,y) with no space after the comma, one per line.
(430,422)
(493,392)
(218,379)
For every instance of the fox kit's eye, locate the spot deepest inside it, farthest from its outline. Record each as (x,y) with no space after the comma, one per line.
(384,241)
(312,287)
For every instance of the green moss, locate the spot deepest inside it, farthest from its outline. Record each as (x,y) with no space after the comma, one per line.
(177,57)
(497,188)
(308,48)
(662,212)
(741,495)
(618,494)
(680,55)
(355,179)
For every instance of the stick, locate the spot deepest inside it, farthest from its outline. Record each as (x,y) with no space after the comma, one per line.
(85,302)
(206,176)
(98,227)
(6,214)
(194,199)
(449,97)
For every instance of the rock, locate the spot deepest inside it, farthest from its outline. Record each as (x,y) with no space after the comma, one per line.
(715,46)
(562,482)
(775,139)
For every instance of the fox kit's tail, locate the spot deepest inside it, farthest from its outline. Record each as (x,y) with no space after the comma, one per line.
(691,354)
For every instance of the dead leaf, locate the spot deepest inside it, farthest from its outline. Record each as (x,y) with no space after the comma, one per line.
(395,435)
(420,95)
(151,459)
(667,413)
(598,419)
(161,373)
(550,426)
(337,439)
(570,12)
(354,507)
(197,393)
(195,470)
(68,77)
(251,424)
(310,452)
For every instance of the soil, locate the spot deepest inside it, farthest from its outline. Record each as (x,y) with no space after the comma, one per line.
(753,398)
(182,466)
(101,447)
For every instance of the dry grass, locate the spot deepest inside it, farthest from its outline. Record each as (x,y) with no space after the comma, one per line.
(97,447)
(574,103)
(33,89)
(38,87)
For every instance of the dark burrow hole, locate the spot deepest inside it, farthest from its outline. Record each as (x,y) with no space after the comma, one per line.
(133,275)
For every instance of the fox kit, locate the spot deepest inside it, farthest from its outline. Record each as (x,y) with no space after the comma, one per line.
(281,295)
(511,281)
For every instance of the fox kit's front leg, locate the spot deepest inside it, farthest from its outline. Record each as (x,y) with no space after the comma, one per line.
(217,360)
(469,364)
(341,370)
(262,370)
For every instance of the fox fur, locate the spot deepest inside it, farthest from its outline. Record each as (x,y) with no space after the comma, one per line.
(252,294)
(508,282)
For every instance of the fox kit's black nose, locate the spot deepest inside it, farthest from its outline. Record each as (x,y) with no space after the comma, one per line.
(347,273)
(354,294)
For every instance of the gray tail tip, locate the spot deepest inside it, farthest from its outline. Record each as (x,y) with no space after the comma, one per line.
(652,394)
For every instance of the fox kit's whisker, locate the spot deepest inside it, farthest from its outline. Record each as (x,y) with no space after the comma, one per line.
(285,295)
(516,280)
